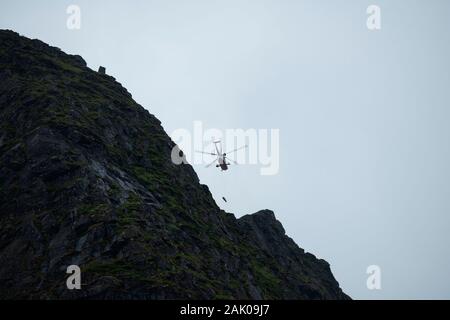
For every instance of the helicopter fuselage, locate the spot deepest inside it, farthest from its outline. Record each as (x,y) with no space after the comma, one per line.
(222,163)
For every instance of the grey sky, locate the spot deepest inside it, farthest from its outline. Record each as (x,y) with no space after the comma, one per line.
(363,116)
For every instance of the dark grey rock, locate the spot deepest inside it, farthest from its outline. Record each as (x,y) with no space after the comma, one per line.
(86,178)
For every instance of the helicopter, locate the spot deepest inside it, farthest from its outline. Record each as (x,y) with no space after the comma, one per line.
(222,158)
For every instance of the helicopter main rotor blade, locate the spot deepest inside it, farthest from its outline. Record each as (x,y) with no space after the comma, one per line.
(209,153)
(210,164)
(237,149)
(235,162)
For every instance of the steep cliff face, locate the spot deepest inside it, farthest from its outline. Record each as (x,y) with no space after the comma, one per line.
(86,178)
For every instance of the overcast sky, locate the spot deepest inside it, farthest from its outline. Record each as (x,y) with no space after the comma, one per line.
(363,115)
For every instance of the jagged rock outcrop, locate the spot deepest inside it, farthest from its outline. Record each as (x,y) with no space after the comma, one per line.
(86,178)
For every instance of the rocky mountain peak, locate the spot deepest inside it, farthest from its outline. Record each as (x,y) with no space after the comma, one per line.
(86,179)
